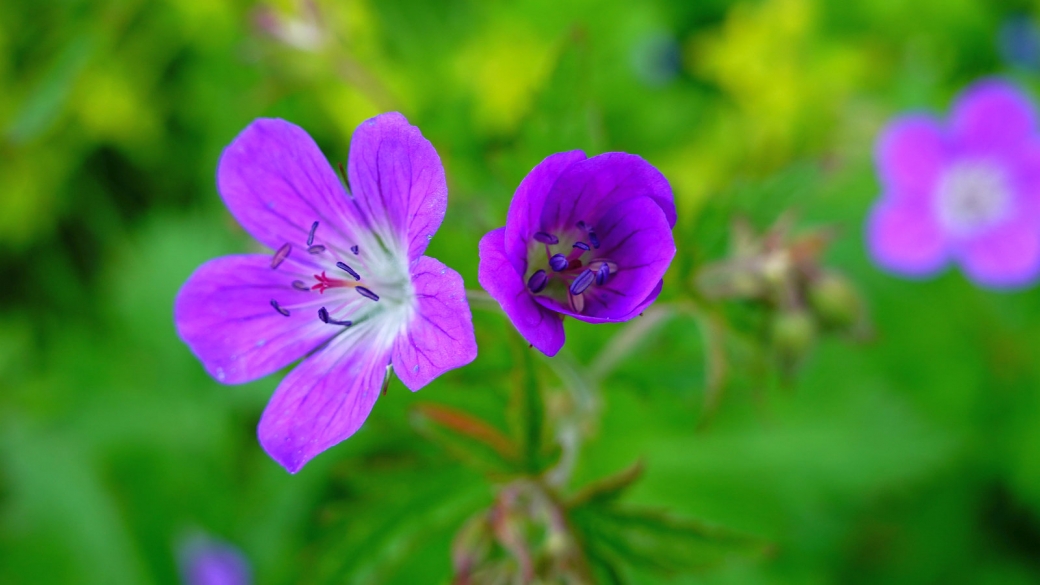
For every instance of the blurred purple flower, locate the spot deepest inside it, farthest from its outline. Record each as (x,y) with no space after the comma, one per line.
(1019,42)
(348,287)
(589,238)
(205,561)
(967,191)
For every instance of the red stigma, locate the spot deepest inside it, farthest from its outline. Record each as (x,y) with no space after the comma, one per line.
(325,282)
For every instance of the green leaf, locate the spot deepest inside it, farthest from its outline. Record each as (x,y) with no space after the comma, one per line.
(655,540)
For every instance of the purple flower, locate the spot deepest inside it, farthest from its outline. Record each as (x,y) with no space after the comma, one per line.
(348,286)
(966,191)
(589,238)
(205,561)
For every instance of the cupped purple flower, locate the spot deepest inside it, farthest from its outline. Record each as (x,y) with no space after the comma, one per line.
(348,285)
(207,561)
(967,191)
(590,238)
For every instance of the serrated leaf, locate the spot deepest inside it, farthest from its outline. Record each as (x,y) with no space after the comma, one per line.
(654,540)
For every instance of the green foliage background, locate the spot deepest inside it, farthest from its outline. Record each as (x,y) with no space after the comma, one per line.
(911,457)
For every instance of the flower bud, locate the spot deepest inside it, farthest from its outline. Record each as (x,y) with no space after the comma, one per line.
(793,333)
(835,301)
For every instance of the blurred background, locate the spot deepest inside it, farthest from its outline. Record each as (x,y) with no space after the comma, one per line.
(883,431)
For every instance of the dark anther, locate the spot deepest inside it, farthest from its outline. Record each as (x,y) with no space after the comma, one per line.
(366,293)
(582,246)
(581,225)
(279,308)
(354,249)
(323,314)
(300,285)
(316,249)
(310,236)
(558,262)
(537,282)
(281,255)
(546,238)
(583,282)
(594,239)
(602,274)
(348,270)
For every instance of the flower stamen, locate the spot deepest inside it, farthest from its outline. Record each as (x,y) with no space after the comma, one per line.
(366,293)
(323,314)
(310,236)
(583,282)
(546,238)
(558,263)
(281,255)
(537,282)
(284,312)
(342,266)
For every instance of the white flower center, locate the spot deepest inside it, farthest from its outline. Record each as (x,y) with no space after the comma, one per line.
(972,196)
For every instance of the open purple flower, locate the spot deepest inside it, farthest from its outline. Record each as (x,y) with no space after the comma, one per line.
(589,238)
(348,286)
(966,191)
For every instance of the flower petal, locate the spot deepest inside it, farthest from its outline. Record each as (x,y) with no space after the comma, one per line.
(992,117)
(398,181)
(588,189)
(911,153)
(904,237)
(325,399)
(440,336)
(635,235)
(541,327)
(525,210)
(1008,256)
(224,313)
(276,182)
(1025,178)
(206,561)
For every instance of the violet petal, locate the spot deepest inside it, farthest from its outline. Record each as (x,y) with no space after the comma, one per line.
(636,236)
(398,181)
(540,326)
(1007,256)
(440,336)
(223,313)
(206,561)
(525,211)
(903,236)
(276,182)
(588,189)
(911,153)
(325,399)
(992,117)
